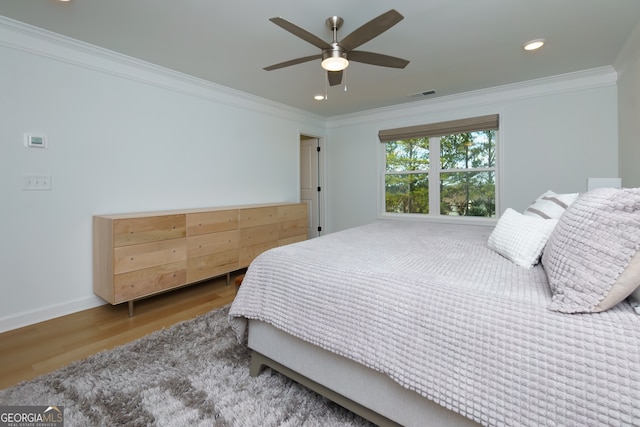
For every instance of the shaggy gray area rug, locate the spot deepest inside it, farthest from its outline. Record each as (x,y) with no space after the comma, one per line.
(194,373)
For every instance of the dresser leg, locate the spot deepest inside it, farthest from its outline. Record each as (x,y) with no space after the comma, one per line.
(130,308)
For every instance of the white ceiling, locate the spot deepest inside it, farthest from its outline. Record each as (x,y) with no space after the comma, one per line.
(454,45)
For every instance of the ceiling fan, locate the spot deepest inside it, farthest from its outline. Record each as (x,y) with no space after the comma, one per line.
(336,55)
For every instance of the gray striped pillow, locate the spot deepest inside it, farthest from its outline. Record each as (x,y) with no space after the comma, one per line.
(551,205)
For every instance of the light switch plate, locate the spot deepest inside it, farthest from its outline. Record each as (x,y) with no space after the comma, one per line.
(36,183)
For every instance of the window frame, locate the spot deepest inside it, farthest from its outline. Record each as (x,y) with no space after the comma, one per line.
(434,186)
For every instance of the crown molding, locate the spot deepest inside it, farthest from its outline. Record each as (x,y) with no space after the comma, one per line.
(37,41)
(569,82)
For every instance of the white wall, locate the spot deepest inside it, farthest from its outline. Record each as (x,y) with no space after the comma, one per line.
(554,134)
(124,136)
(628,66)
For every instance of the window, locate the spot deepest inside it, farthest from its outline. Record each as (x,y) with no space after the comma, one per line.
(443,169)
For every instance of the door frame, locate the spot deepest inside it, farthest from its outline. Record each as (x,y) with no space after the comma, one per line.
(322,197)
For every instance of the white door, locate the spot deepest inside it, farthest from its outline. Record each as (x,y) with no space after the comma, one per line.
(309,187)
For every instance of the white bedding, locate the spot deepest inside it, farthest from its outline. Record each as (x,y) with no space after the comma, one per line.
(433,308)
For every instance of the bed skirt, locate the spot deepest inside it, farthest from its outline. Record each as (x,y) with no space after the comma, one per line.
(366,392)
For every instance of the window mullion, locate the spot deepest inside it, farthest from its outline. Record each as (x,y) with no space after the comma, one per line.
(490,169)
(434,175)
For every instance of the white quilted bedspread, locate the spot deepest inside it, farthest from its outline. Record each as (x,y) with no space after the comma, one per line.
(433,308)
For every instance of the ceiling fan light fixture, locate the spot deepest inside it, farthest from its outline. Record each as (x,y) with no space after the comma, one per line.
(534,44)
(335,64)
(334,59)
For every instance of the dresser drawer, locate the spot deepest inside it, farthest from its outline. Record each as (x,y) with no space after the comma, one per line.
(211,265)
(257,216)
(292,212)
(249,253)
(133,231)
(292,228)
(206,244)
(138,257)
(211,222)
(140,283)
(255,235)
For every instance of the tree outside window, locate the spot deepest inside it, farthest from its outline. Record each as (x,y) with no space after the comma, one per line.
(461,175)
(407,177)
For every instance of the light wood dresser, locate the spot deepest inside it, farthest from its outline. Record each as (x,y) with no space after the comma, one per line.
(141,254)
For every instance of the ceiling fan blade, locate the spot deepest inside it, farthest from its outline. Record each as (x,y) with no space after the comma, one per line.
(300,32)
(335,77)
(292,62)
(377,59)
(371,29)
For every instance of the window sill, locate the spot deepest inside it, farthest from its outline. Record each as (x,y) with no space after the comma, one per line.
(467,220)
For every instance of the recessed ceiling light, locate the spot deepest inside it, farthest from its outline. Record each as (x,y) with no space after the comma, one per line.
(534,44)
(318,97)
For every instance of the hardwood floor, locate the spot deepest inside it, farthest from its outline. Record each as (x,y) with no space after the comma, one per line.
(28,352)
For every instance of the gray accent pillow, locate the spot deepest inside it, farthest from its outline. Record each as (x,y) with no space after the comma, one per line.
(550,205)
(590,249)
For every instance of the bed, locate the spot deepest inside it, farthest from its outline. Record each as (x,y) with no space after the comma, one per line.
(415,323)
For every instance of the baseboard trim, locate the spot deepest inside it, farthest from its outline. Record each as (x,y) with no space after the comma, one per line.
(27,318)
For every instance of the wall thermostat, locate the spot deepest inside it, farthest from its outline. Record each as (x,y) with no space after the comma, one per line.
(35,140)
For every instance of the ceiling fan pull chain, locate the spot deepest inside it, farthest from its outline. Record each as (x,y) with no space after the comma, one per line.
(326,85)
(344,75)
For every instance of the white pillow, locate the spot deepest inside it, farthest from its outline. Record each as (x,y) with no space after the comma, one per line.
(521,238)
(551,205)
